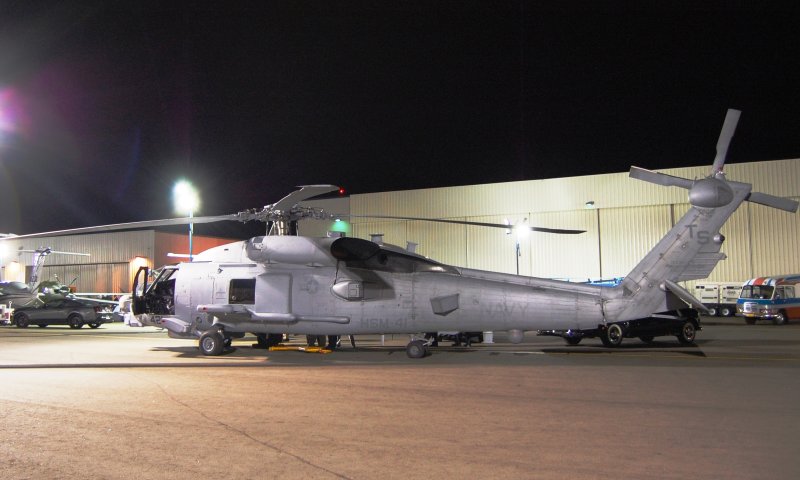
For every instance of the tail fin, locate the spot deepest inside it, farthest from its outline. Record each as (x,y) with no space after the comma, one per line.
(691,249)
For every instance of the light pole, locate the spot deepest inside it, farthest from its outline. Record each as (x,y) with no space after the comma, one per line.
(520,231)
(186,201)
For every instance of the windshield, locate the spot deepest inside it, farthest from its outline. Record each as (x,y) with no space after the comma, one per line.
(757,291)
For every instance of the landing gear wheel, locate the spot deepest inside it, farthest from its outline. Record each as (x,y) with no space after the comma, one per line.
(687,333)
(573,340)
(612,336)
(75,321)
(780,318)
(94,325)
(22,320)
(416,349)
(646,338)
(212,343)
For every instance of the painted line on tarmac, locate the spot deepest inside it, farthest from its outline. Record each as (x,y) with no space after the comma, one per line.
(33,366)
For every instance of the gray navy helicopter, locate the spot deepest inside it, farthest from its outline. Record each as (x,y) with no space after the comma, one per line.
(278,284)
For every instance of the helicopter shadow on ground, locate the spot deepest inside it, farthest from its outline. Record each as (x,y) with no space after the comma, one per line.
(367,355)
(250,352)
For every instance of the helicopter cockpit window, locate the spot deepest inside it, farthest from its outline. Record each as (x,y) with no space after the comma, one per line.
(399,262)
(242,290)
(160,276)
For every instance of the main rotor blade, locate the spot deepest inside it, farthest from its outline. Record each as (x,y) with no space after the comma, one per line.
(725,136)
(54,251)
(127,226)
(305,192)
(562,231)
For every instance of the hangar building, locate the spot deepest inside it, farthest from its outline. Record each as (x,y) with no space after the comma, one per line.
(623,219)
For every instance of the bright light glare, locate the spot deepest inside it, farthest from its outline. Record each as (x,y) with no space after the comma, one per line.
(6,118)
(522,230)
(185,197)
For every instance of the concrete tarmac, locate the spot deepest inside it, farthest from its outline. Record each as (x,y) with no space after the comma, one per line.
(119,402)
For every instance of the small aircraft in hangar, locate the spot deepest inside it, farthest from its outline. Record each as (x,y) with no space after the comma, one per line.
(348,286)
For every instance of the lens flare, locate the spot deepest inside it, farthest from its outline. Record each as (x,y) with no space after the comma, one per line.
(12,118)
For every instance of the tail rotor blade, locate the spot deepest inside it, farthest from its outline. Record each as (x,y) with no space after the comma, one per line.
(725,136)
(660,178)
(773,201)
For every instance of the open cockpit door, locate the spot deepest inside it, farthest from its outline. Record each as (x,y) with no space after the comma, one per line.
(138,303)
(157,297)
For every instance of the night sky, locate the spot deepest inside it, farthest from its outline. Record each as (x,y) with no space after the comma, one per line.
(104,106)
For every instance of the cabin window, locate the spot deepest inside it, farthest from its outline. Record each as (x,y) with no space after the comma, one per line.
(243,290)
(784,292)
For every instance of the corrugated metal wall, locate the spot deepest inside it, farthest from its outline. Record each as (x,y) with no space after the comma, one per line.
(775,240)
(627,234)
(102,247)
(545,247)
(97,278)
(629,217)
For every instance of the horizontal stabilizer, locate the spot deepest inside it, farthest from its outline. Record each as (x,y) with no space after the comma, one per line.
(660,178)
(773,201)
(684,295)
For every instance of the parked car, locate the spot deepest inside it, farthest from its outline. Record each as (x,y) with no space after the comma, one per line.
(63,311)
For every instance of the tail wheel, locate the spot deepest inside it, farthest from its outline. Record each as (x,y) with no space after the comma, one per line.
(687,334)
(612,336)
